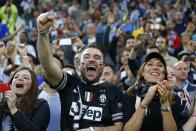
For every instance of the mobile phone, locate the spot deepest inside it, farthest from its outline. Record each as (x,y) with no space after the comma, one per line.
(126,28)
(65,41)
(4,87)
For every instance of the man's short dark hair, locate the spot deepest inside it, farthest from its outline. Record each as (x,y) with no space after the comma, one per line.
(111,66)
(69,66)
(89,46)
(129,37)
(152,47)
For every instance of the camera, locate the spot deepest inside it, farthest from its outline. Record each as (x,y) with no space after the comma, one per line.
(4,87)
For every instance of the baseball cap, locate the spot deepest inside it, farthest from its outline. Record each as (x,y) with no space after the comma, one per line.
(154,55)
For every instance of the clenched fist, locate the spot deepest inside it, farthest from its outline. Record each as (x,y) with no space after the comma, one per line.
(45,21)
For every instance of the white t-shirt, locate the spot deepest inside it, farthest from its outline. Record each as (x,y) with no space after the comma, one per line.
(55,110)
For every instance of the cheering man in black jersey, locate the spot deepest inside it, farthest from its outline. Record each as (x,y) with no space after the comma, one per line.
(85,103)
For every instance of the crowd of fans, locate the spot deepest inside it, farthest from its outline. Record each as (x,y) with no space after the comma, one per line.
(133,36)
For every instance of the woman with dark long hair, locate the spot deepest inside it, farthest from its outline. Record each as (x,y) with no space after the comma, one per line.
(20,109)
(149,104)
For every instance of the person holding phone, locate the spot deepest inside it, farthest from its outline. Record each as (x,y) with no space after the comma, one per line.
(149,104)
(20,109)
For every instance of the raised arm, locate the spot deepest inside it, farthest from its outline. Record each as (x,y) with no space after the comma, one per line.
(53,72)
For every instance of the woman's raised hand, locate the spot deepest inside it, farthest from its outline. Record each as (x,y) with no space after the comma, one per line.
(11,98)
(164,91)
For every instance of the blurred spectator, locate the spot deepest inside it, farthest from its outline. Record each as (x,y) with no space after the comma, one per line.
(23,38)
(191,62)
(172,38)
(183,88)
(109,74)
(180,26)
(31,41)
(90,37)
(185,38)
(181,72)
(189,49)
(126,75)
(4,30)
(161,43)
(8,15)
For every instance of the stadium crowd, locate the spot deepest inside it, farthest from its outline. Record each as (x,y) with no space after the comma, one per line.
(98,65)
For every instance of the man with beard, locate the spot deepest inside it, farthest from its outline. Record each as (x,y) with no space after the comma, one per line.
(85,103)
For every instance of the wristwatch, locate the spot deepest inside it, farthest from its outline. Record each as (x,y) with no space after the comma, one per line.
(166,108)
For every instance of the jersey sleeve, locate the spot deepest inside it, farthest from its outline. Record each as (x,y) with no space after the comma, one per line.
(116,106)
(61,84)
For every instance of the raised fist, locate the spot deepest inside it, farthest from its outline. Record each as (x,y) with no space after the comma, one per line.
(22,49)
(45,21)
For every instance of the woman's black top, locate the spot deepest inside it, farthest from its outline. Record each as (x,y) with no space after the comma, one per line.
(153,117)
(36,121)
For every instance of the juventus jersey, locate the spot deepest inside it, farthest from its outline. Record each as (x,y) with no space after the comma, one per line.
(84,105)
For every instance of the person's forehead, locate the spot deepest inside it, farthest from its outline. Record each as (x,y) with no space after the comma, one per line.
(125,52)
(181,64)
(23,72)
(169,69)
(107,69)
(91,51)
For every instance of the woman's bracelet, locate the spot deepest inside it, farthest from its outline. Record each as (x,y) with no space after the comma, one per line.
(166,108)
